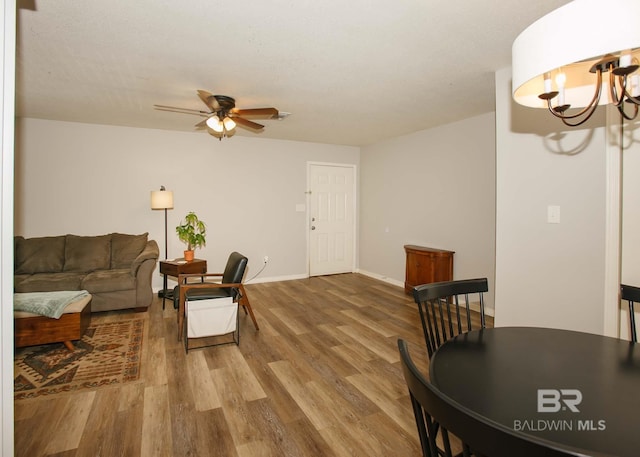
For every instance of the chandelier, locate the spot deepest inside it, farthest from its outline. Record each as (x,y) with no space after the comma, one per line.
(578,57)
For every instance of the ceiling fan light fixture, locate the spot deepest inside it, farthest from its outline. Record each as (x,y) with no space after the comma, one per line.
(214,124)
(223,117)
(229,124)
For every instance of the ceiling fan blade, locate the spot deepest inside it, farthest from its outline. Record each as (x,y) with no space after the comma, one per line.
(175,109)
(266,113)
(209,100)
(248,123)
(201,124)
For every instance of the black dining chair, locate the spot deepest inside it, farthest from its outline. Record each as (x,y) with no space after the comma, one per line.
(445,309)
(632,295)
(479,436)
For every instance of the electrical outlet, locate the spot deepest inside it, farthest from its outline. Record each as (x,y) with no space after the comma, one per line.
(266,258)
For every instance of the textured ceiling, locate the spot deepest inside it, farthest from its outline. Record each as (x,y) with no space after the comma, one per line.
(350,72)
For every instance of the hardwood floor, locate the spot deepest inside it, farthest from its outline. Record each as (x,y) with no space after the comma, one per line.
(320,378)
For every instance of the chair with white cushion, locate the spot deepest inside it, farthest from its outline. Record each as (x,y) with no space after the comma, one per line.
(215,297)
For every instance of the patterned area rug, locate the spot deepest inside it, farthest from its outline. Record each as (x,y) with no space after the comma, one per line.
(108,353)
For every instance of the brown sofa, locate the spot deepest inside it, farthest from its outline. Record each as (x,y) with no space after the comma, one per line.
(116,269)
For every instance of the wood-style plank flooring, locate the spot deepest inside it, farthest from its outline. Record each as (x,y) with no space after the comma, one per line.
(321,378)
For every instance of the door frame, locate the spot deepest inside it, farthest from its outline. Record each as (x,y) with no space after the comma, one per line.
(356,217)
(7,182)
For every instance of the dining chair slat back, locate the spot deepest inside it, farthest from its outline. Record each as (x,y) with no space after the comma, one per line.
(632,295)
(445,309)
(478,436)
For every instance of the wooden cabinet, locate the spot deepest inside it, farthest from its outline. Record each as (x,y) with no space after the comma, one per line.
(425,265)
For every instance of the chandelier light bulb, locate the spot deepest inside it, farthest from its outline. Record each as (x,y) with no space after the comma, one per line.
(625,60)
(561,79)
(547,83)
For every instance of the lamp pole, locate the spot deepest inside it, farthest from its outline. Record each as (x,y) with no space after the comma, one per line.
(163,199)
(166,255)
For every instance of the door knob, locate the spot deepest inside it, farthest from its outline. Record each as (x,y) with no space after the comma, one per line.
(313,227)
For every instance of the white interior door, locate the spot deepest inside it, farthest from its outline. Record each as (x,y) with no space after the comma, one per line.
(331,219)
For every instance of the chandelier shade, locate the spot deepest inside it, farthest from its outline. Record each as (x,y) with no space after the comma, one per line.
(221,123)
(214,124)
(590,44)
(229,124)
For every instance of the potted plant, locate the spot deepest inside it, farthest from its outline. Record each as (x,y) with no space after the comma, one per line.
(192,232)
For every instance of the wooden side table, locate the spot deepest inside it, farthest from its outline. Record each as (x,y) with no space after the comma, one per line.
(177,267)
(426,265)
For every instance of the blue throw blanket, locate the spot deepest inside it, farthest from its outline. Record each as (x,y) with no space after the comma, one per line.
(50,304)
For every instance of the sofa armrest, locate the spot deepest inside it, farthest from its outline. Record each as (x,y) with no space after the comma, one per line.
(150,252)
(142,268)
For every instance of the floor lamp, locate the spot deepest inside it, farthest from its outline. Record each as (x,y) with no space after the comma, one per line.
(162,199)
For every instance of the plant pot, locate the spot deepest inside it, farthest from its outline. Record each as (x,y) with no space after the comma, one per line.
(188,255)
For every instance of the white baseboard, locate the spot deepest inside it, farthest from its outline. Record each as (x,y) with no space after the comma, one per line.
(276,279)
(386,279)
(475,306)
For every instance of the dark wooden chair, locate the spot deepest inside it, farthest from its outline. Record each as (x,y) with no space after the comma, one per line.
(632,295)
(230,285)
(440,305)
(479,436)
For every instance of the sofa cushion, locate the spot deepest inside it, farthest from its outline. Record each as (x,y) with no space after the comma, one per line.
(39,255)
(125,248)
(87,253)
(46,282)
(18,279)
(109,280)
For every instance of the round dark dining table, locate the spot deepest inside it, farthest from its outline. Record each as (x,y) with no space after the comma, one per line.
(575,389)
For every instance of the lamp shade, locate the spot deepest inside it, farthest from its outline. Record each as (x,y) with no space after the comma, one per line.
(161,199)
(570,40)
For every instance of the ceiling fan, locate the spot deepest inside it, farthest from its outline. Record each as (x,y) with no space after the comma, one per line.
(223,116)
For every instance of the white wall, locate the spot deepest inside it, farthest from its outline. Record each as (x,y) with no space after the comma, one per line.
(432,188)
(549,275)
(94,179)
